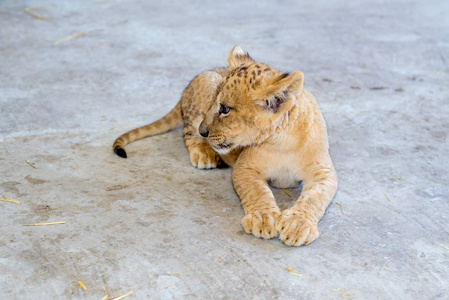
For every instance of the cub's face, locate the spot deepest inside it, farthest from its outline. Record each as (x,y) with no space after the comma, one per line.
(247,104)
(231,119)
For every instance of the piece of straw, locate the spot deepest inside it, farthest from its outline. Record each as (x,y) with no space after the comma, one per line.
(99,46)
(286,192)
(443,247)
(122,296)
(69,37)
(29,9)
(294,274)
(165,287)
(349,118)
(10,200)
(117,297)
(28,162)
(341,206)
(384,265)
(44,224)
(344,294)
(82,285)
(387,197)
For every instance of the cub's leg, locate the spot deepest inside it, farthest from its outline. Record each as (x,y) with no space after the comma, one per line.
(196,100)
(262,213)
(298,225)
(201,153)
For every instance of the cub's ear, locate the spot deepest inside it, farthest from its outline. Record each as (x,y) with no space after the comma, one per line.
(280,90)
(292,83)
(275,102)
(237,57)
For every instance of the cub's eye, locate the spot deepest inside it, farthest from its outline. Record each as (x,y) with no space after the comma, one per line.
(224,110)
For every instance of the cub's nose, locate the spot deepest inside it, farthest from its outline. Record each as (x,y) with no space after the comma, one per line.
(203,131)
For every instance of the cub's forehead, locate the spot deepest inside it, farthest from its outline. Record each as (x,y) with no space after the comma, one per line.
(251,70)
(247,77)
(243,81)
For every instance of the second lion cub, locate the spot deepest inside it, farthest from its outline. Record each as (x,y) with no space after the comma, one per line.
(266,126)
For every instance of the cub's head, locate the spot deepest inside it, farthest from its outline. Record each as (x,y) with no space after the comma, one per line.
(249,103)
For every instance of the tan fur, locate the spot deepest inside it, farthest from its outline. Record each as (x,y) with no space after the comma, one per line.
(273,133)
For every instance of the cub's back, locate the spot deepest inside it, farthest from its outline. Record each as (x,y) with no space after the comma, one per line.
(198,95)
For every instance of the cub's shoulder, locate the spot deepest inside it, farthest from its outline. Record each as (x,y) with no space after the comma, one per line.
(209,79)
(223,72)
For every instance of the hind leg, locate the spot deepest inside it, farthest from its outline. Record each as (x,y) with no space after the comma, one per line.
(196,100)
(201,153)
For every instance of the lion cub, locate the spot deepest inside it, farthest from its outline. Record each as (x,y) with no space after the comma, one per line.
(266,126)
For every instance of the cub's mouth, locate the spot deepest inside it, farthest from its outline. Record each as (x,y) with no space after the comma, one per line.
(222,148)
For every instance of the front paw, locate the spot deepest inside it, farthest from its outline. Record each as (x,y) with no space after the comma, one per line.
(204,157)
(262,224)
(297,228)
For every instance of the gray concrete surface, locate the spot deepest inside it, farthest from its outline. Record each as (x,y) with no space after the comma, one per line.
(165,230)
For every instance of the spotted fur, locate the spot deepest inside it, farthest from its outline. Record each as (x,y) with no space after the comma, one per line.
(264,124)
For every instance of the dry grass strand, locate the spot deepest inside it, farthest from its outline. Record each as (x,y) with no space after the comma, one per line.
(29,9)
(341,207)
(82,285)
(443,247)
(31,164)
(287,192)
(384,265)
(45,224)
(70,37)
(117,297)
(4,199)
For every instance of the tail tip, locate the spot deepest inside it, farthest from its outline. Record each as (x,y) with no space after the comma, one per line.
(120,152)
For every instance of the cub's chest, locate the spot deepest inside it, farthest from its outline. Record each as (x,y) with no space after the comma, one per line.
(282,173)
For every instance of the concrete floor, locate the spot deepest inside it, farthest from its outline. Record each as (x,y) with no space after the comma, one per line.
(157,226)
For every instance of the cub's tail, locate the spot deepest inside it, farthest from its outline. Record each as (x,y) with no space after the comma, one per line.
(168,122)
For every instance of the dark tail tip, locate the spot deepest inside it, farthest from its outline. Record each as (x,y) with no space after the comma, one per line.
(120,152)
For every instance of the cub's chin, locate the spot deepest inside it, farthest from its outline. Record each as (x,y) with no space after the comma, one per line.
(223,148)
